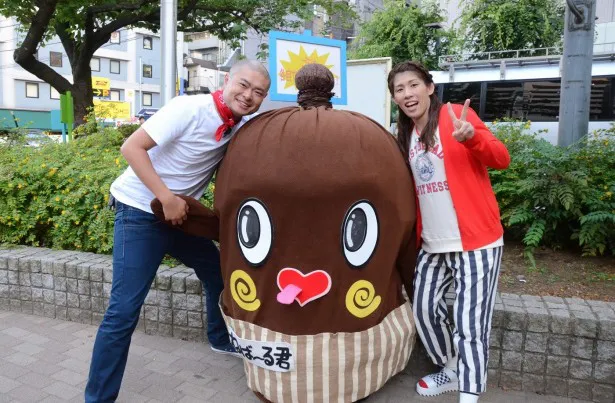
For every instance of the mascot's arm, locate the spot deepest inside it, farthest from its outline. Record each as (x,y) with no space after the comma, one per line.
(406,262)
(201,221)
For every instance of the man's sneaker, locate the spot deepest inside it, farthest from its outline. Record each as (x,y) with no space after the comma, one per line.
(435,384)
(226,349)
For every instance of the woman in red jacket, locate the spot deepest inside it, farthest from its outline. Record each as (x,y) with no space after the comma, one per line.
(449,149)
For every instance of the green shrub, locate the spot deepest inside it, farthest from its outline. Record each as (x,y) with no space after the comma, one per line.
(94,125)
(91,126)
(558,197)
(56,195)
(127,130)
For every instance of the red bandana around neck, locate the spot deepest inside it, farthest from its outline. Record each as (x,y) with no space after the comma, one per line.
(228,120)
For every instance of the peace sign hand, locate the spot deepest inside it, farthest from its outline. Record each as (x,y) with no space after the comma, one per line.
(463,130)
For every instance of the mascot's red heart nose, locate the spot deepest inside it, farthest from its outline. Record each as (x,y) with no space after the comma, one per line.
(303,288)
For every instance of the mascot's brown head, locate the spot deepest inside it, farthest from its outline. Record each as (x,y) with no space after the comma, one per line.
(316,210)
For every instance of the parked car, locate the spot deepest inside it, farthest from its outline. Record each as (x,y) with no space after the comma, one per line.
(36,138)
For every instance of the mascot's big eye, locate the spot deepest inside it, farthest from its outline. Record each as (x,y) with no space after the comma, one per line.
(359,233)
(254,231)
(250,227)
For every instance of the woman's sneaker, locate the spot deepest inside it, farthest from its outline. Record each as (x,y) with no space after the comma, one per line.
(227,349)
(435,384)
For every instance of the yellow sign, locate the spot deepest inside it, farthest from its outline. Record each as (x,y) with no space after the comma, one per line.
(100,93)
(101,83)
(289,52)
(111,109)
(296,61)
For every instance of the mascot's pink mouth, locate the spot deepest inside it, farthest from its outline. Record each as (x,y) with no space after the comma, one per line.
(303,288)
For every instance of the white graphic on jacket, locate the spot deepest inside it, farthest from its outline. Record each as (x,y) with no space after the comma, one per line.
(425,169)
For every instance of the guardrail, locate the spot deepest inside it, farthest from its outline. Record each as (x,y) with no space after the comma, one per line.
(493,56)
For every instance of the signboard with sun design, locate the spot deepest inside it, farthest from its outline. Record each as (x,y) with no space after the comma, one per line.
(290,52)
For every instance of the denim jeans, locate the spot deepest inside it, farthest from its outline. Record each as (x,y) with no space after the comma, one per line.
(140,243)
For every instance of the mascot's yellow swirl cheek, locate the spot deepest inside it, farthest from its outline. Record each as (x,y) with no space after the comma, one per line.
(243,291)
(361,299)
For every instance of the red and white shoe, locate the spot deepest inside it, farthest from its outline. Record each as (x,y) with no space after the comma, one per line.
(435,384)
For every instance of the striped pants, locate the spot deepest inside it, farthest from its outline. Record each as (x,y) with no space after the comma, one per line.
(475,275)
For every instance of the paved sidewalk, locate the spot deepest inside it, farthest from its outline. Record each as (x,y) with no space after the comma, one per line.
(47,360)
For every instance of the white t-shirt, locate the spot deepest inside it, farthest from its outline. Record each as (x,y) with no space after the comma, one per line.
(440,232)
(186,153)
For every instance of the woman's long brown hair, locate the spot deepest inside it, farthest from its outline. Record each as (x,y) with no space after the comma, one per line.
(405,125)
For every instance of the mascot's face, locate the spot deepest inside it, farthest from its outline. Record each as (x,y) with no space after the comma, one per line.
(358,234)
(315,207)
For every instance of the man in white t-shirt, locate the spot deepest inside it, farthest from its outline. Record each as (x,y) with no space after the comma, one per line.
(176,151)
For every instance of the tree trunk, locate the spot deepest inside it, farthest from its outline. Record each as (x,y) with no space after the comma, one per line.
(82,106)
(82,92)
(24,54)
(100,22)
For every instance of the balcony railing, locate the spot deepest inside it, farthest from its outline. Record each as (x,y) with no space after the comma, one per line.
(603,48)
(499,55)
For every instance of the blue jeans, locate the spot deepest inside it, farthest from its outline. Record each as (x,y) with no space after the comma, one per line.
(140,243)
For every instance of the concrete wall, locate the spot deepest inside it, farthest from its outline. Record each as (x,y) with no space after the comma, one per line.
(557,346)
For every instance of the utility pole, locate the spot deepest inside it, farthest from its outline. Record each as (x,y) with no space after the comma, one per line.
(168,38)
(435,26)
(576,71)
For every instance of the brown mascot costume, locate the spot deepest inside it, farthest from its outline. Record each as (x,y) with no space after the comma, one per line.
(315,212)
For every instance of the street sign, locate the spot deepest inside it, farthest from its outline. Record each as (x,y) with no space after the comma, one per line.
(100,93)
(66,106)
(111,109)
(101,83)
(289,52)
(67,115)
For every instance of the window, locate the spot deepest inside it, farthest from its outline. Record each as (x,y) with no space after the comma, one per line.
(439,91)
(147,70)
(114,66)
(535,100)
(541,100)
(147,42)
(55,59)
(457,93)
(31,90)
(95,64)
(53,93)
(115,95)
(147,99)
(504,100)
(115,37)
(601,101)
(525,100)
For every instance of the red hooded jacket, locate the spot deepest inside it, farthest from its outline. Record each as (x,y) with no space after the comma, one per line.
(466,165)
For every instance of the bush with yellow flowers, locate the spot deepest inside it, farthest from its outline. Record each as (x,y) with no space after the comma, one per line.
(56,195)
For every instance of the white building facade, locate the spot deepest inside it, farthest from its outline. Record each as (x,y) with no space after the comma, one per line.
(131,61)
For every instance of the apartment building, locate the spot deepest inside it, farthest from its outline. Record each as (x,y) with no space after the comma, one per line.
(131,61)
